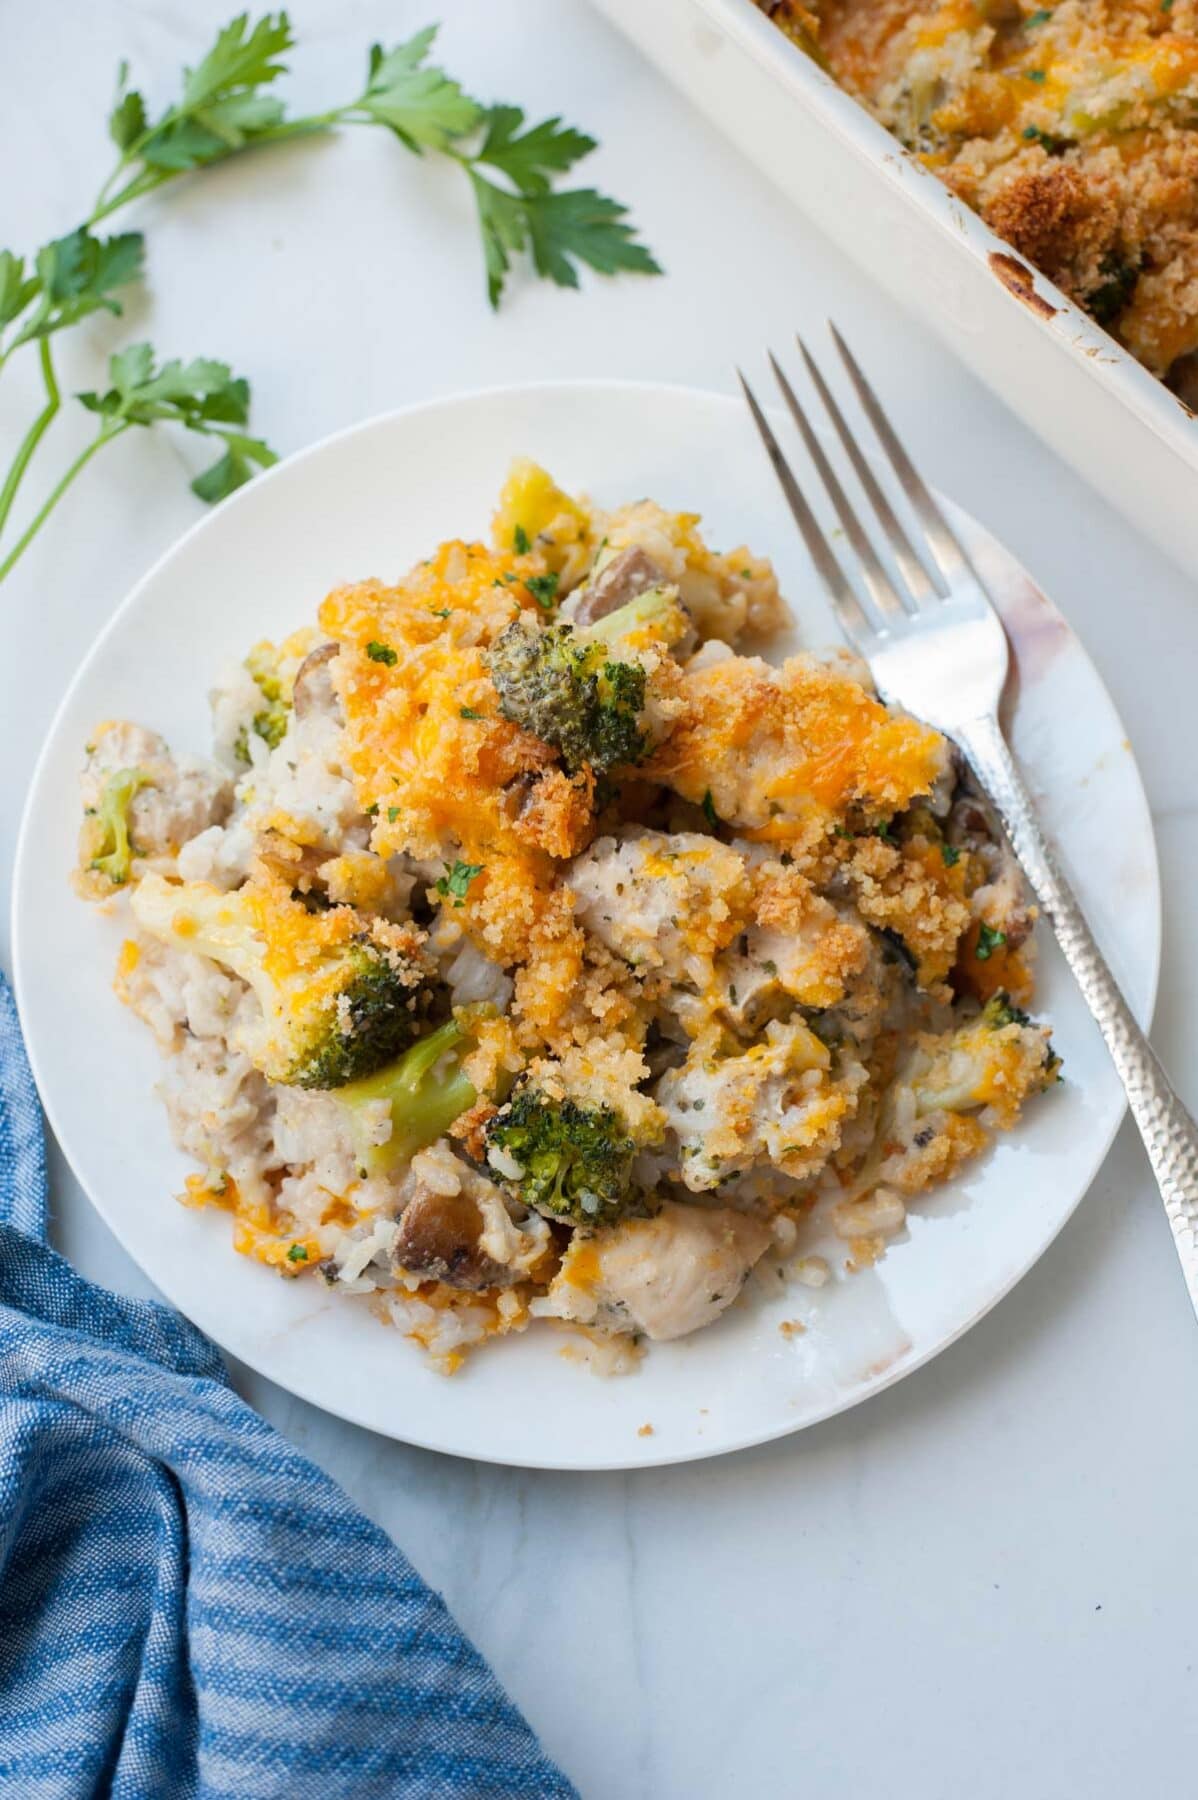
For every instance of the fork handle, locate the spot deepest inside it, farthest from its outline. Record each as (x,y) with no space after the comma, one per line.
(1167,1128)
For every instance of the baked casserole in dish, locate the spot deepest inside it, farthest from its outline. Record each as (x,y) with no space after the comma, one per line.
(1068,128)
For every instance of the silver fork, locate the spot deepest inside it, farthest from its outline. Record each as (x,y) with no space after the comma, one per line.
(937,648)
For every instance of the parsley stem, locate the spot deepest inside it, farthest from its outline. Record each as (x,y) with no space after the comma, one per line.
(55,495)
(150,178)
(144,183)
(33,436)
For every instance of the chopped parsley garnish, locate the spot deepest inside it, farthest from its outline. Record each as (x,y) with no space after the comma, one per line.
(440,612)
(297,1254)
(372,811)
(709,811)
(455,882)
(1045,14)
(883,830)
(543,588)
(988,942)
(1035,75)
(520,541)
(392,814)
(381,653)
(468,712)
(950,856)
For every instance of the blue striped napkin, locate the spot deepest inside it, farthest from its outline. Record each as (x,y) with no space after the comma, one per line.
(187,1606)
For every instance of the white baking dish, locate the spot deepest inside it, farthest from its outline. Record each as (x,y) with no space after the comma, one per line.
(1116,424)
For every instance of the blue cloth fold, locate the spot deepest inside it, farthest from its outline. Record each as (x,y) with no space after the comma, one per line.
(187,1606)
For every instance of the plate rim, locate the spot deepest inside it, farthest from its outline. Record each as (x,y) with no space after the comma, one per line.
(902,1366)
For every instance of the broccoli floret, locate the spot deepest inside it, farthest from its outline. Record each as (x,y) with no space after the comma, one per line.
(574,1162)
(115,854)
(426,1090)
(271,723)
(573,688)
(1001,1010)
(336,1003)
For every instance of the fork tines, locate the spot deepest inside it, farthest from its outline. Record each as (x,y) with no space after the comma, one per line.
(919,585)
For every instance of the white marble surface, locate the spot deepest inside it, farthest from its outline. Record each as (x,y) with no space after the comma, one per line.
(984,1581)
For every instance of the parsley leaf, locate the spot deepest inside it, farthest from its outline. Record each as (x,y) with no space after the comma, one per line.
(559,230)
(127,120)
(239,59)
(455,882)
(988,942)
(587,226)
(519,543)
(381,653)
(233,469)
(950,856)
(468,712)
(16,287)
(203,396)
(297,1254)
(709,811)
(530,158)
(75,276)
(543,588)
(220,110)
(421,104)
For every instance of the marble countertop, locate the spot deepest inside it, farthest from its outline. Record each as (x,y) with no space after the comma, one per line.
(982,1582)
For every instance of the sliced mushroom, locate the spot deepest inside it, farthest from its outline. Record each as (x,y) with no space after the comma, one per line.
(297,863)
(313,689)
(629,573)
(439,1238)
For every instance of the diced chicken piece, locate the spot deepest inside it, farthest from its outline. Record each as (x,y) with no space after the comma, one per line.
(778,1103)
(179,796)
(665,1276)
(661,902)
(787,752)
(801,948)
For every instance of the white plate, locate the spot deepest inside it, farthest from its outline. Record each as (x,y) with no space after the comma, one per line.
(369,502)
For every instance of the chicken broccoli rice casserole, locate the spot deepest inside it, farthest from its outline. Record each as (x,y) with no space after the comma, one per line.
(1069,127)
(533,949)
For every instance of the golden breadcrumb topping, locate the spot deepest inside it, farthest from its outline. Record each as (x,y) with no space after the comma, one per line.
(538,954)
(1068,127)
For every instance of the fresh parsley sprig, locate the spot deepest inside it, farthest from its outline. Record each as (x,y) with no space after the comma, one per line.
(226,105)
(203,396)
